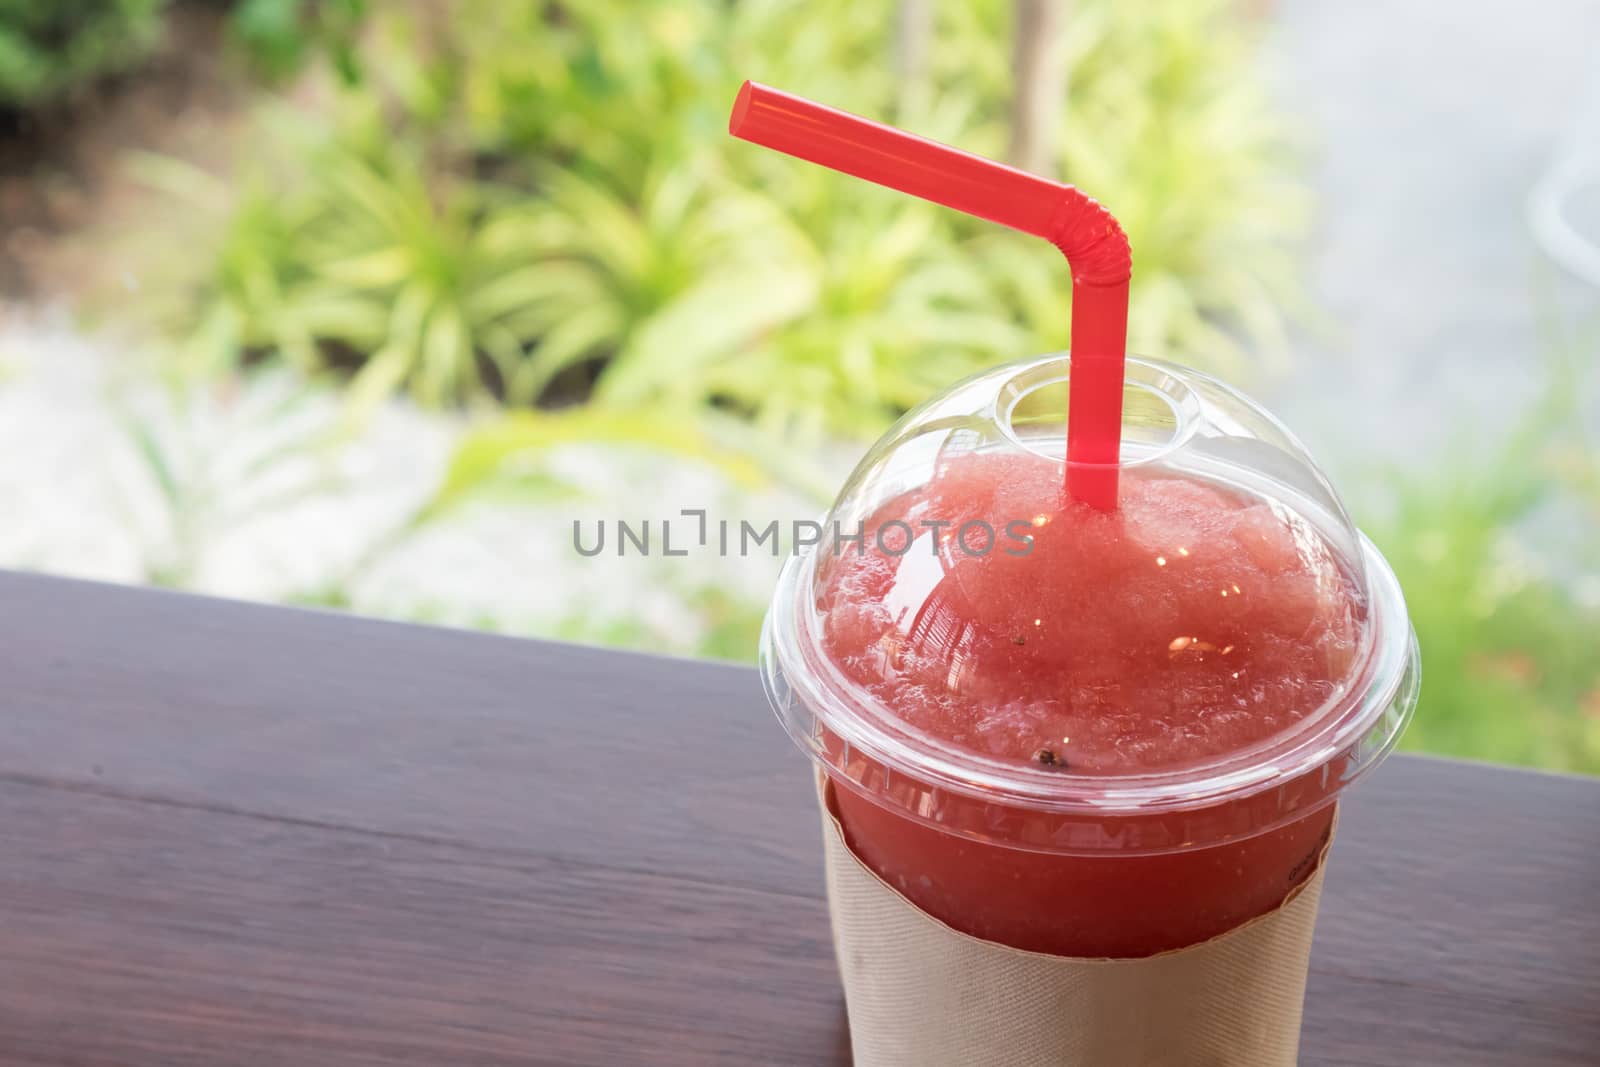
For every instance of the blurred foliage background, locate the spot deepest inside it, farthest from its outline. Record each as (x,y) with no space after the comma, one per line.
(531,212)
(534,203)
(48,49)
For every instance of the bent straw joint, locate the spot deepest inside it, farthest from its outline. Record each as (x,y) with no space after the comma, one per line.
(1097,250)
(1085,232)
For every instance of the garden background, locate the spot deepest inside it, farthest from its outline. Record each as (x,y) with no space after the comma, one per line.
(358,305)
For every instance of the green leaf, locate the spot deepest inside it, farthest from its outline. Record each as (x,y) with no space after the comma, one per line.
(380,376)
(520,288)
(157,461)
(447,356)
(512,446)
(371,270)
(706,323)
(587,331)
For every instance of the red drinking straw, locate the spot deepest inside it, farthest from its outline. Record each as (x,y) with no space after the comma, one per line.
(1095,246)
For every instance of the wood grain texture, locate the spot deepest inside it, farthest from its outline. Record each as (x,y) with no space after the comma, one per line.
(237,835)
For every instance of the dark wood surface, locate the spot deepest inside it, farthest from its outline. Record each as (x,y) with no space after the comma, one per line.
(236,836)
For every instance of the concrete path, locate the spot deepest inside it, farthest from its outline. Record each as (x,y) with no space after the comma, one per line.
(1431,123)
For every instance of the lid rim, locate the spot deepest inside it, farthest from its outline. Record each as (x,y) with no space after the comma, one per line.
(1347,718)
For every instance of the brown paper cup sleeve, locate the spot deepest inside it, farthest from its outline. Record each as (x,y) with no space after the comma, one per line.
(920,994)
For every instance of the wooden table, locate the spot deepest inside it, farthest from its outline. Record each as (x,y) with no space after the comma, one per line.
(238,836)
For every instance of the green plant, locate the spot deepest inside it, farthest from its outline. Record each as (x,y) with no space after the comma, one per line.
(537,204)
(1509,670)
(507,459)
(1198,166)
(214,460)
(601,86)
(243,299)
(422,284)
(507,462)
(49,48)
(622,282)
(279,37)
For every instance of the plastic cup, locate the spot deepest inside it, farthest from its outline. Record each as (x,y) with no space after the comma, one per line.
(1130,737)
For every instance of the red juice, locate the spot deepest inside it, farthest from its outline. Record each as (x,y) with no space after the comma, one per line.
(1195,623)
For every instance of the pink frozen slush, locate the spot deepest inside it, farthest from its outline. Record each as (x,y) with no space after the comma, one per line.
(1195,622)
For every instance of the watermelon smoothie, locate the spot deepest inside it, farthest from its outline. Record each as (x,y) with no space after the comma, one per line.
(1233,623)
(1082,731)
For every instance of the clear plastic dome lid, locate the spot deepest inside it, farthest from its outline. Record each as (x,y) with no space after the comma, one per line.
(973,647)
